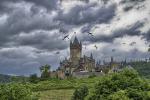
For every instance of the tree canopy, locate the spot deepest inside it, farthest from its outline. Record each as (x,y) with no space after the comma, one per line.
(45,71)
(126,85)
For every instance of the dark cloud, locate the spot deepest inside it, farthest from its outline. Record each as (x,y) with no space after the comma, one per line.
(87,28)
(147,36)
(42,40)
(20,20)
(4,8)
(32,31)
(13,53)
(91,13)
(22,61)
(105,53)
(131,4)
(132,1)
(105,1)
(49,4)
(127,8)
(130,31)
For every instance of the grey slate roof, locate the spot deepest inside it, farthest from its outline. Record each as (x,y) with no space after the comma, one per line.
(76,41)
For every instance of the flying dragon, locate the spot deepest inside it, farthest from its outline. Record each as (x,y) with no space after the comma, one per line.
(89,33)
(57,52)
(96,46)
(67,36)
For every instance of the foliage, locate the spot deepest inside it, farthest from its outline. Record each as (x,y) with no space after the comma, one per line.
(20,79)
(126,85)
(80,93)
(91,76)
(119,95)
(33,78)
(53,84)
(142,67)
(9,78)
(45,71)
(16,91)
(5,78)
(61,94)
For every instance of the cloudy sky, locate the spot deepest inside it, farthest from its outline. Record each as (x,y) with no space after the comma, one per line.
(31,31)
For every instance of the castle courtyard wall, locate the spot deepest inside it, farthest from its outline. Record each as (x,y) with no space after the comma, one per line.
(86,74)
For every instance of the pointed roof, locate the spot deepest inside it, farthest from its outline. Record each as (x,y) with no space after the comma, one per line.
(76,40)
(91,56)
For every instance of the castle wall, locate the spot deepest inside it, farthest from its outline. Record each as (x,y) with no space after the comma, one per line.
(61,74)
(86,74)
(89,64)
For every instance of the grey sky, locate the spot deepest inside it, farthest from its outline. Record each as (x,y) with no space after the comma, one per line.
(31,31)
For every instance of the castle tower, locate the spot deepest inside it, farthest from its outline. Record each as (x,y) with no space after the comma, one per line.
(75,51)
(112,59)
(91,56)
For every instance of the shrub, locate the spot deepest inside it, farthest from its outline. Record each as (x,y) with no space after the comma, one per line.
(127,85)
(33,78)
(45,72)
(80,93)
(92,76)
(120,95)
(15,91)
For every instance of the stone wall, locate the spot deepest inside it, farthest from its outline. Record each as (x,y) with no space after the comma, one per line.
(86,74)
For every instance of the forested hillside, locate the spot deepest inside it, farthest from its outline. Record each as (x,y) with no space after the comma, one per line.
(143,68)
(108,87)
(5,78)
(8,78)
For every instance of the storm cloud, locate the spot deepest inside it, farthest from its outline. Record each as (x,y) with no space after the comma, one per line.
(32,31)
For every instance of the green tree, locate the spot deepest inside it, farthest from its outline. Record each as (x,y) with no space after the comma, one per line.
(45,71)
(80,93)
(126,84)
(16,91)
(120,95)
(33,78)
(149,51)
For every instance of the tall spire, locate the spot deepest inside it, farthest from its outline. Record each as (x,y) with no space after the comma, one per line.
(76,40)
(99,61)
(91,56)
(112,59)
(70,43)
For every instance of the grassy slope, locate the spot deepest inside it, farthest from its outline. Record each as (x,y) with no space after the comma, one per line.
(63,94)
(64,84)
(62,89)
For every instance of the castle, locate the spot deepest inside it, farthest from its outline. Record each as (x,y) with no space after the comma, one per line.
(81,66)
(76,63)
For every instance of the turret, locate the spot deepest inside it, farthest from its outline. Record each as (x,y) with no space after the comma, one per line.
(75,51)
(104,62)
(70,43)
(99,62)
(91,56)
(75,44)
(112,59)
